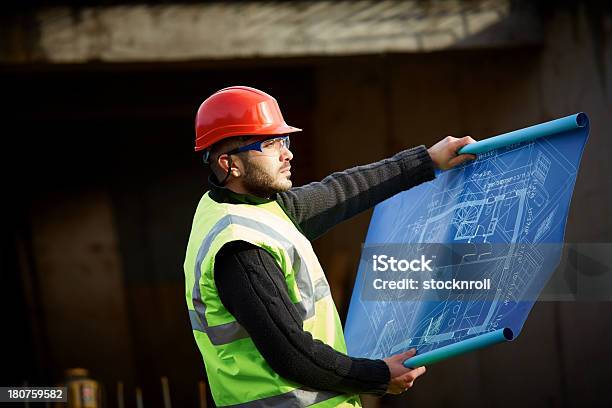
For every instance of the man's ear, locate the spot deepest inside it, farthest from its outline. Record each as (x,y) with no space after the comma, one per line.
(224,162)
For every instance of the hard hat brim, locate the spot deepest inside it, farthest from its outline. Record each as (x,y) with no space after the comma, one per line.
(244,130)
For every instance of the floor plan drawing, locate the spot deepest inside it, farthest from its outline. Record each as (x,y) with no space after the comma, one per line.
(510,205)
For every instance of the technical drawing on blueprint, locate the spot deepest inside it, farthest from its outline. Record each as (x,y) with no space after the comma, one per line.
(510,205)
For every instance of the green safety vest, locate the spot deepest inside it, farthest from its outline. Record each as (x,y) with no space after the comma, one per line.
(237,373)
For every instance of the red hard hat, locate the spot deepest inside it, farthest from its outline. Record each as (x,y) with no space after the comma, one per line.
(236,111)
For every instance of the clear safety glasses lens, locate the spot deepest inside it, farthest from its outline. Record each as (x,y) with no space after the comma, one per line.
(275,145)
(269,147)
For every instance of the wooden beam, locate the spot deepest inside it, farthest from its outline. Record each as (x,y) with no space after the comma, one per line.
(211,31)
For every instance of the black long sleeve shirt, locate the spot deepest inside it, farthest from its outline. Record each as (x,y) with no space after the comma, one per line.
(252,286)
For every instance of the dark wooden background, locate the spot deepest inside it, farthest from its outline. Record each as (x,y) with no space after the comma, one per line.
(100,185)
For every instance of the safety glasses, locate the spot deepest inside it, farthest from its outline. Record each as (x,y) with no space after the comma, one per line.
(271,146)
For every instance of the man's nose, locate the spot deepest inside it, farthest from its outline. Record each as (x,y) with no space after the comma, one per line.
(286,154)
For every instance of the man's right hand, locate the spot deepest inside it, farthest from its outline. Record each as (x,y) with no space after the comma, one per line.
(444,153)
(402,378)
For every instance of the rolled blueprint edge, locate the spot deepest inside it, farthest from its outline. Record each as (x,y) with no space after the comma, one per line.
(462,347)
(571,122)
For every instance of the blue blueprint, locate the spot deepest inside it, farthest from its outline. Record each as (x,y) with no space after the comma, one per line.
(515,197)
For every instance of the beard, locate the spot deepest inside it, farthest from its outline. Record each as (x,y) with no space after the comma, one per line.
(260,182)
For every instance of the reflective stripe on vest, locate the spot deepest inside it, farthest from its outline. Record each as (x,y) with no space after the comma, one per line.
(304,397)
(225,333)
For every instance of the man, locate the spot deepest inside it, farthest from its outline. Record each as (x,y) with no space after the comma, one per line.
(259,303)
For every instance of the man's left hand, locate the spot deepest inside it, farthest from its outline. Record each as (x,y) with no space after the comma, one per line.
(444,153)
